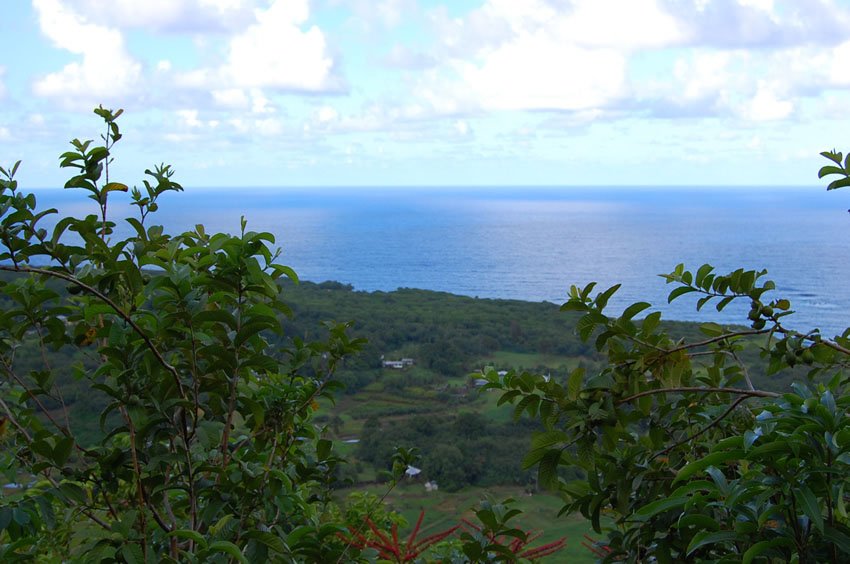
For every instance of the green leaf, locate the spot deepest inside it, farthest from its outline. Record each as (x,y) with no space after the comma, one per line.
(115,187)
(5,517)
(575,383)
(750,437)
(132,554)
(827,170)
(62,451)
(840,183)
(602,299)
(711,329)
(712,459)
(706,538)
(762,546)
(837,537)
(634,309)
(833,156)
(189,534)
(680,291)
(528,403)
(724,302)
(547,439)
(650,322)
(228,547)
(73,492)
(547,471)
(659,506)
(273,542)
(251,329)
(695,520)
(810,506)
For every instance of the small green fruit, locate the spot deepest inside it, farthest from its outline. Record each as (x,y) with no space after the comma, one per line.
(790,358)
(808,357)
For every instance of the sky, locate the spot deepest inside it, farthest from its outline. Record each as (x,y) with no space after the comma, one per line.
(422,92)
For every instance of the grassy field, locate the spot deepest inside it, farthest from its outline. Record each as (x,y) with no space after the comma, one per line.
(528,361)
(444,510)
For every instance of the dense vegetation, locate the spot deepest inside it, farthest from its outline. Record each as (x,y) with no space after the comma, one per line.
(205,446)
(677,444)
(215,414)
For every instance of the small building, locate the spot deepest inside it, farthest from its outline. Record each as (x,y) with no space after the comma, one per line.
(397,364)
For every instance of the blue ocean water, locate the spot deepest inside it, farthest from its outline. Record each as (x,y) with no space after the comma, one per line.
(533,243)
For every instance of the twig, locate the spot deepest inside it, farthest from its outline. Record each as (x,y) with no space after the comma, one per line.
(713,423)
(699,390)
(719,338)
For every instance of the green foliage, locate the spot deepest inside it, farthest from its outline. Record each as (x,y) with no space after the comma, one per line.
(839,168)
(497,540)
(678,447)
(208,451)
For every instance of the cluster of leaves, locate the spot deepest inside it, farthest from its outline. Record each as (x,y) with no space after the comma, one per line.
(682,457)
(208,451)
(841,168)
(498,540)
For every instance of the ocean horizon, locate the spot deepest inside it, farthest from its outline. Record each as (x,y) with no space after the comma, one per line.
(532,243)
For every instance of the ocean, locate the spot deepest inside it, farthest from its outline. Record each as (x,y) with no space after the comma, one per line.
(533,243)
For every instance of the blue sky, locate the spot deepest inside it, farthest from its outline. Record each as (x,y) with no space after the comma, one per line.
(420,92)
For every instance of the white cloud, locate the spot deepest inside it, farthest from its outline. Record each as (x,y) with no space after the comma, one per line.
(193,124)
(636,24)
(535,72)
(326,114)
(260,104)
(189,119)
(594,56)
(766,6)
(373,15)
(543,54)
(268,127)
(764,23)
(276,53)
(462,128)
(766,105)
(273,52)
(703,77)
(391,11)
(839,65)
(403,57)
(105,72)
(5,134)
(170,15)
(234,98)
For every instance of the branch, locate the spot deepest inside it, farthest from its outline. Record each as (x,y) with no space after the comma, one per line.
(719,338)
(121,313)
(714,423)
(699,390)
(835,346)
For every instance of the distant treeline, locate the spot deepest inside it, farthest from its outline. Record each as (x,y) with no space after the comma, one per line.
(446,334)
